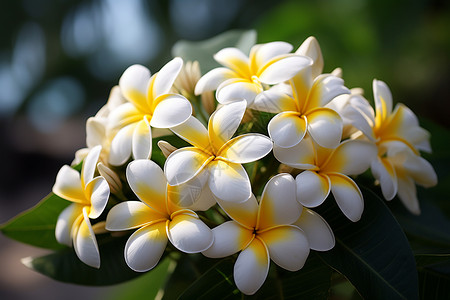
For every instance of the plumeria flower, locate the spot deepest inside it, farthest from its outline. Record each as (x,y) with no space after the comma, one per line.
(157,219)
(262,232)
(327,170)
(302,111)
(89,196)
(398,170)
(215,153)
(98,131)
(149,104)
(242,77)
(399,139)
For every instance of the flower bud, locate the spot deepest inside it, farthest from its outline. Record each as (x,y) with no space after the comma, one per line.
(166,148)
(111,177)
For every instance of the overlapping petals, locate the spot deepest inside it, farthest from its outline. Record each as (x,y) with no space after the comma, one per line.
(157,218)
(243,76)
(217,153)
(149,104)
(90,196)
(262,232)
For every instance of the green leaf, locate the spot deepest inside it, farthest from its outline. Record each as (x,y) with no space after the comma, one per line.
(36,226)
(372,253)
(146,286)
(311,282)
(203,51)
(434,276)
(65,266)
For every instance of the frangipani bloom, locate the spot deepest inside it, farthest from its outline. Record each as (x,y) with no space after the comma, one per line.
(327,170)
(89,196)
(303,110)
(262,232)
(157,219)
(399,138)
(98,131)
(243,77)
(398,170)
(217,154)
(150,104)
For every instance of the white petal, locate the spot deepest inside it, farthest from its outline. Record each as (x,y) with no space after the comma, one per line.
(324,89)
(121,146)
(185,195)
(246,148)
(95,132)
(133,84)
(90,164)
(420,170)
(145,247)
(300,156)
(165,77)
(68,185)
(148,182)
(189,234)
(85,244)
(98,189)
(318,232)
(65,222)
(384,172)
(224,122)
(194,132)
(312,188)
(229,238)
(310,47)
(262,54)
(130,215)
(383,99)
(185,163)
(278,205)
(284,69)
(347,196)
(287,129)
(251,267)
(408,194)
(205,200)
(142,140)
(352,157)
(124,115)
(288,246)
(211,80)
(170,112)
(244,213)
(225,177)
(234,59)
(233,90)
(325,127)
(273,101)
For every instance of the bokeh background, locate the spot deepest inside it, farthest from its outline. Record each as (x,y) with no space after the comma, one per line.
(60,58)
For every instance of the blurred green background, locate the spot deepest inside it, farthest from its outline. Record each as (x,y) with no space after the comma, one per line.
(60,58)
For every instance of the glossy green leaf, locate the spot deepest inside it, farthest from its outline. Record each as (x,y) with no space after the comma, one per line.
(434,276)
(203,51)
(146,286)
(311,282)
(372,253)
(65,266)
(36,226)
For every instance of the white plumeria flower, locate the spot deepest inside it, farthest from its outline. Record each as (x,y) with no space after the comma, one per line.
(327,170)
(150,104)
(242,77)
(89,196)
(97,129)
(393,131)
(157,218)
(302,111)
(215,153)
(262,232)
(398,170)
(311,48)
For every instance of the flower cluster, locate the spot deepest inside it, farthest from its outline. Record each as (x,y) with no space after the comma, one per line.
(278,137)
